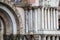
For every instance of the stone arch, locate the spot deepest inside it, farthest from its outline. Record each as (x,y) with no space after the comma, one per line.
(9,12)
(59,3)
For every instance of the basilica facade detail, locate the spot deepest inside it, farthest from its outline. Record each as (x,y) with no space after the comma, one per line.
(29,20)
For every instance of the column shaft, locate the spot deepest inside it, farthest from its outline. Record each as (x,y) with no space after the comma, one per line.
(57,19)
(42,18)
(53,38)
(46,19)
(26,28)
(39,20)
(39,37)
(48,38)
(51,19)
(44,38)
(21,38)
(54,19)
(36,12)
(30,21)
(57,38)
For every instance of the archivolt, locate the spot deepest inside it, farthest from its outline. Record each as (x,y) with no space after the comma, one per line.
(9,17)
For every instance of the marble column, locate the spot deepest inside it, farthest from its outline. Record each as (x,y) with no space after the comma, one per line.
(46,18)
(53,37)
(54,15)
(57,19)
(26,28)
(42,18)
(30,21)
(24,37)
(39,37)
(35,24)
(57,38)
(48,38)
(39,20)
(51,19)
(21,37)
(44,37)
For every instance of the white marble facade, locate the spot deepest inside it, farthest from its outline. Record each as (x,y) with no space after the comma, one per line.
(39,19)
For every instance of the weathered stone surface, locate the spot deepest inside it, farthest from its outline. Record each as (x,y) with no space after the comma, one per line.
(42,22)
